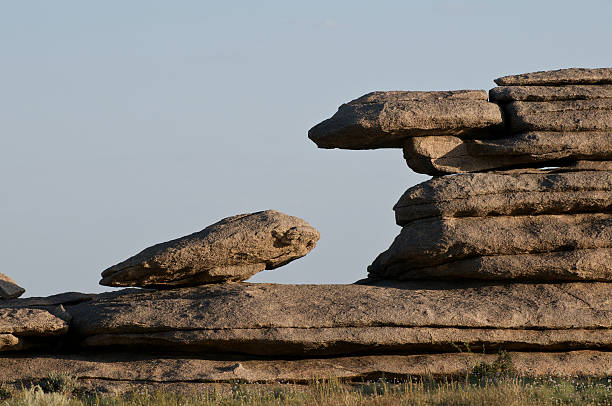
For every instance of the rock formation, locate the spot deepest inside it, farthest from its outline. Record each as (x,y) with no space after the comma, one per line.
(9,288)
(233,249)
(509,247)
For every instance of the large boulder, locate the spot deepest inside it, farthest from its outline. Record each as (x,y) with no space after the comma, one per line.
(386,119)
(234,249)
(528,192)
(9,288)
(435,241)
(296,320)
(505,94)
(448,154)
(569,115)
(570,76)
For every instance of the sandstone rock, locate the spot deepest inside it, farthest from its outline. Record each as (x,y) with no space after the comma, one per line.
(507,193)
(576,265)
(9,288)
(448,154)
(298,320)
(574,115)
(434,241)
(31,322)
(234,249)
(571,76)
(279,342)
(385,119)
(505,94)
(140,369)
(589,166)
(9,342)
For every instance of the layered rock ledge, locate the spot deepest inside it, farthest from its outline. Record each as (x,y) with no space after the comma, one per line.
(386,119)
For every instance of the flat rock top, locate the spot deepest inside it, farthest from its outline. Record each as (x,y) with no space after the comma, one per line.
(407,95)
(232,249)
(571,76)
(409,304)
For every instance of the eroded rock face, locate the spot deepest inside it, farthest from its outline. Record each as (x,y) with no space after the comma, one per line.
(435,241)
(295,320)
(505,94)
(529,192)
(31,322)
(109,368)
(574,265)
(447,154)
(9,288)
(234,249)
(571,76)
(562,116)
(386,119)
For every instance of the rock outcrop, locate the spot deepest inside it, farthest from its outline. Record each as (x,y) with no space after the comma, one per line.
(439,155)
(234,249)
(560,77)
(298,320)
(9,288)
(499,252)
(386,119)
(109,371)
(525,192)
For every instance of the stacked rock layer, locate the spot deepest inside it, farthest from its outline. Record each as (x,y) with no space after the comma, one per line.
(521,196)
(508,247)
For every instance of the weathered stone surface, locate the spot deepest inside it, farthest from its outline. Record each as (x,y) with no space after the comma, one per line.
(264,319)
(278,342)
(234,249)
(385,119)
(507,193)
(434,241)
(113,367)
(505,94)
(589,166)
(9,288)
(574,115)
(447,154)
(570,76)
(576,265)
(31,322)
(9,342)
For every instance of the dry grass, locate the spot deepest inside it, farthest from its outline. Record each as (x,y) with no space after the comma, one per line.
(502,392)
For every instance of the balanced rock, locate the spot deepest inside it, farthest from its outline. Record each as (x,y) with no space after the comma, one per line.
(528,192)
(505,94)
(571,76)
(385,119)
(570,115)
(435,241)
(437,155)
(233,249)
(9,288)
(294,320)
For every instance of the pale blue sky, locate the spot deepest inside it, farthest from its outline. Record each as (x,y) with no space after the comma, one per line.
(127,123)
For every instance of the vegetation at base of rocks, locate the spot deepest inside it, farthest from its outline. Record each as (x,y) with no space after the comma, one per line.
(58,382)
(503,392)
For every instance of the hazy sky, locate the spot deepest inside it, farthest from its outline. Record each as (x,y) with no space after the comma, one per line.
(128,123)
